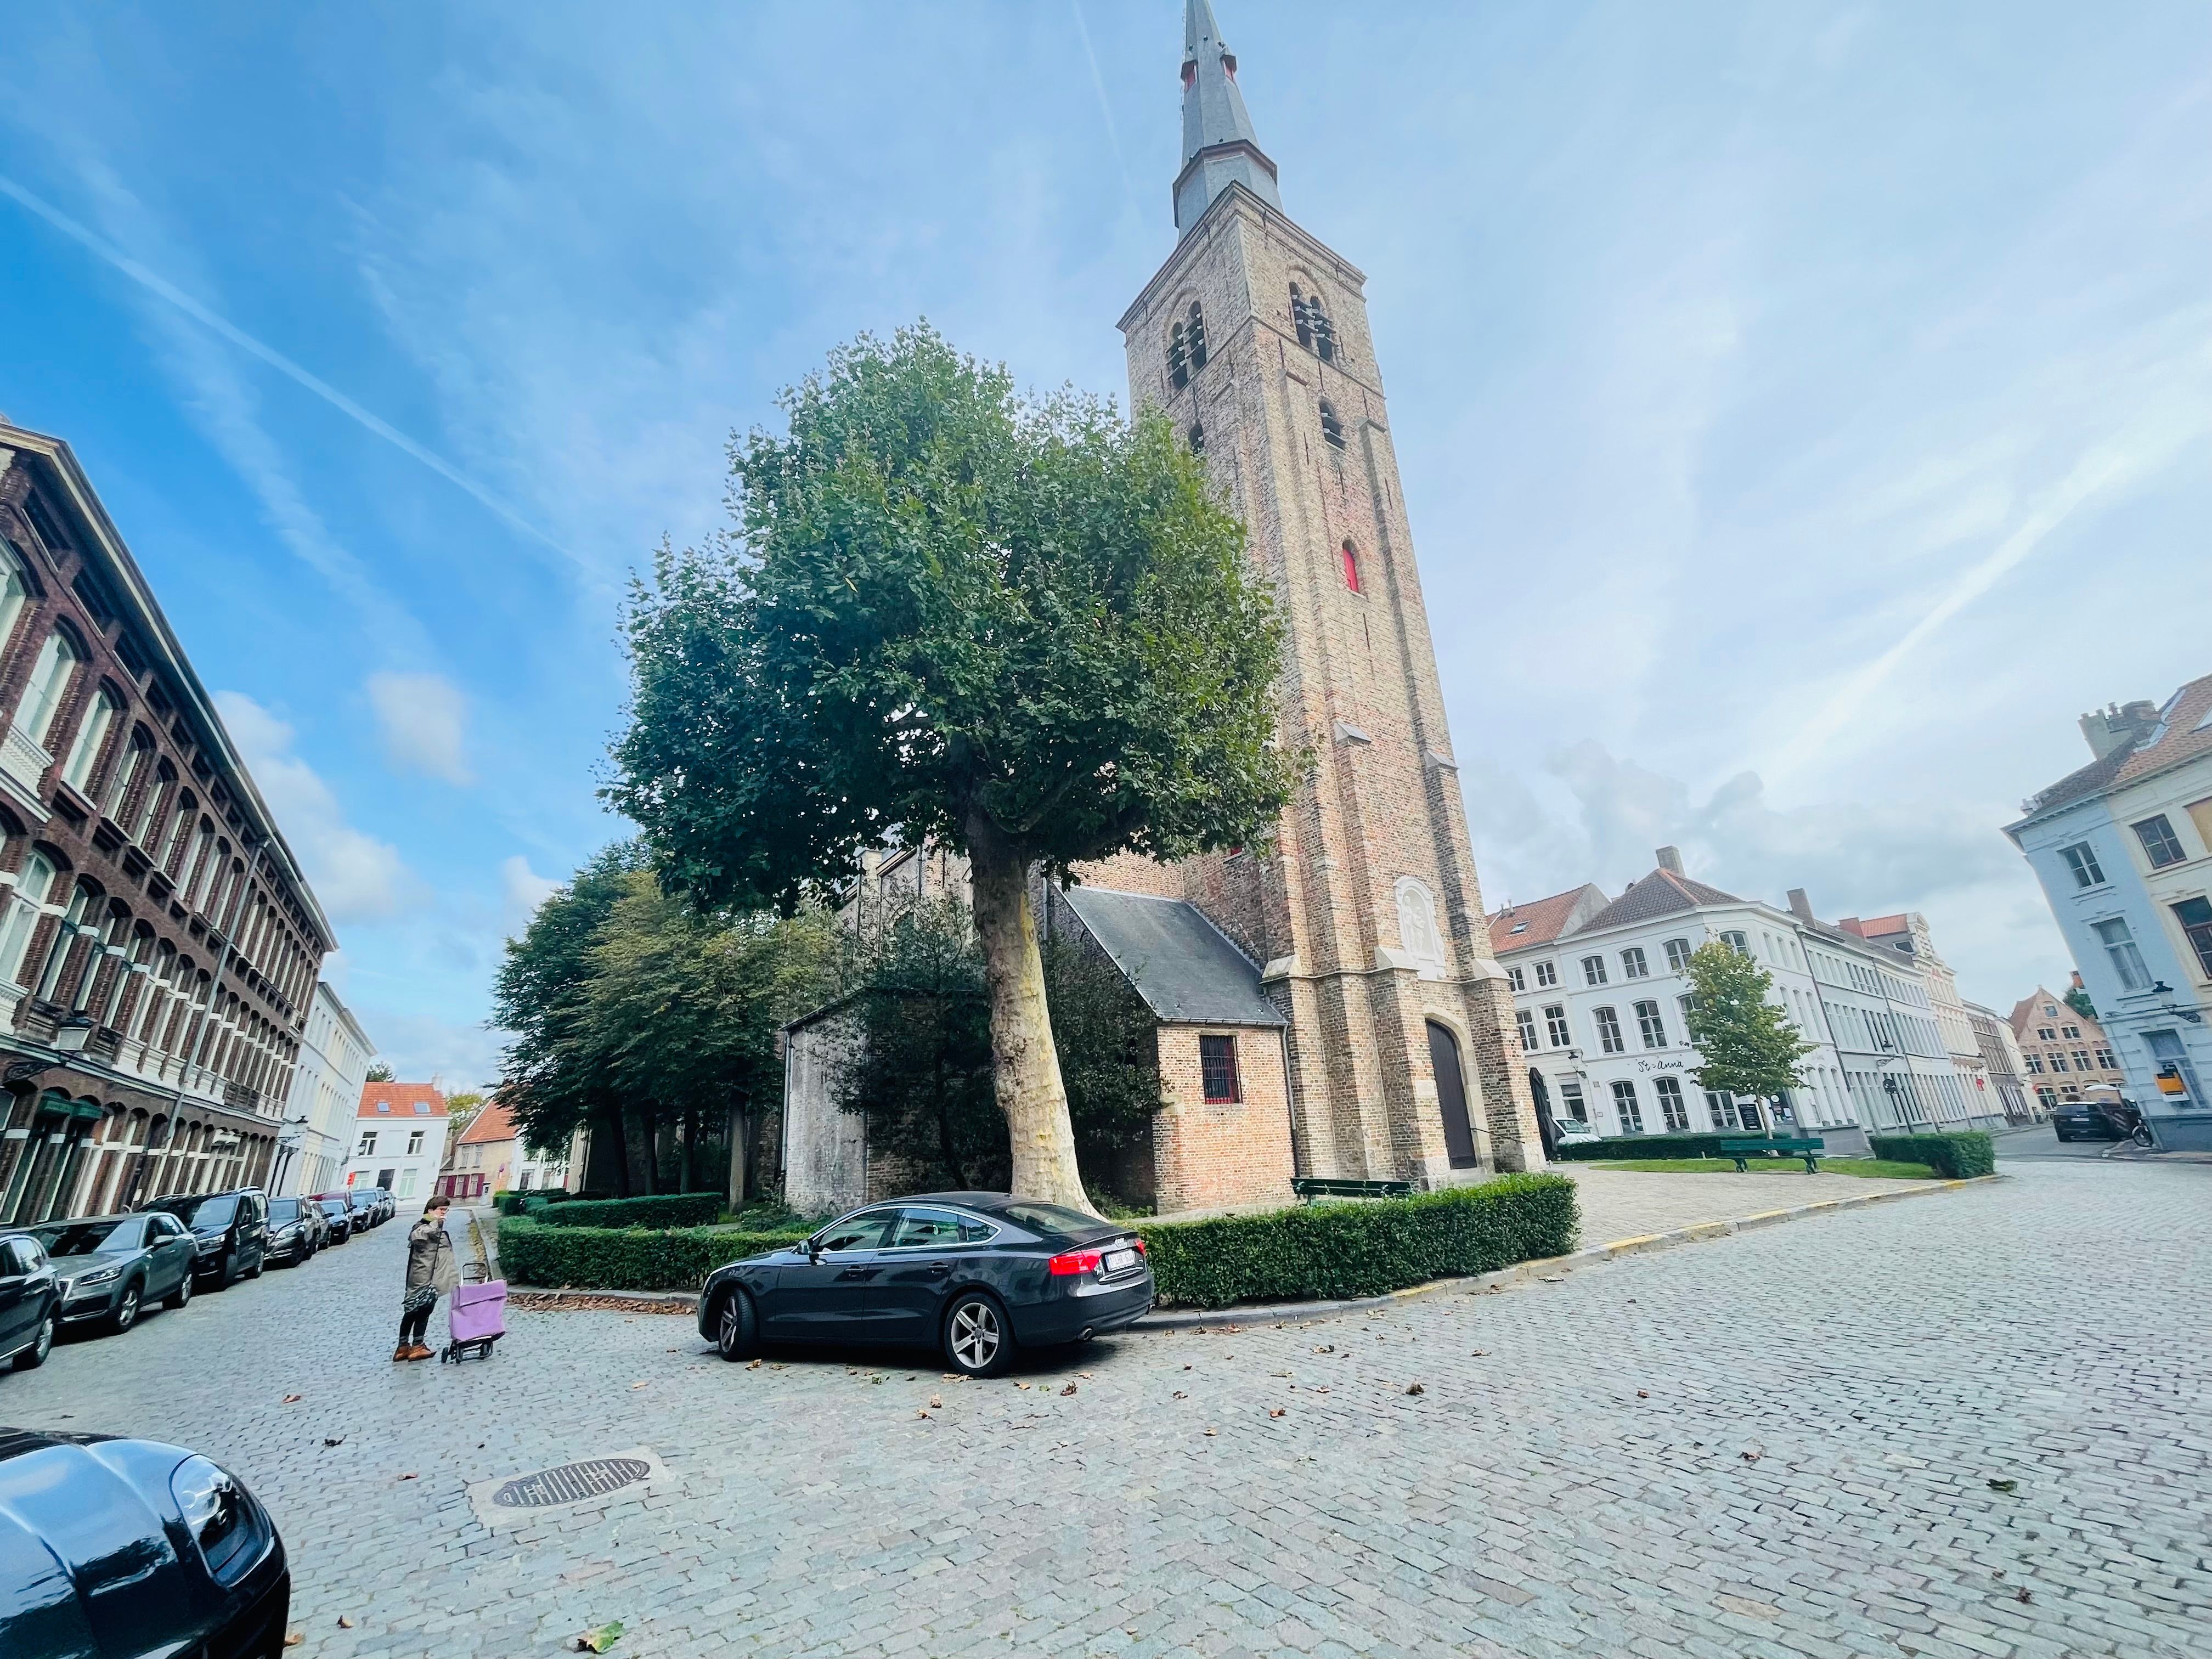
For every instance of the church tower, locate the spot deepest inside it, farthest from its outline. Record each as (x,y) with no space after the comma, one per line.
(1253,338)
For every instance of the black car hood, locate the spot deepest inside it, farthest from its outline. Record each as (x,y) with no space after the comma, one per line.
(88,1546)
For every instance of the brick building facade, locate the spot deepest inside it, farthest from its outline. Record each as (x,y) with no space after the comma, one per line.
(2063,1051)
(159,946)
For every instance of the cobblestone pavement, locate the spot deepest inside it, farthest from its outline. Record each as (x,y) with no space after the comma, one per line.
(1784,1442)
(1619,1204)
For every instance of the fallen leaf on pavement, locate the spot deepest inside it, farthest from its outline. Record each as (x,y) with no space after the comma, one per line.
(937,1402)
(635,1387)
(1277,1412)
(600,1640)
(1753,1455)
(1086,1376)
(921,1413)
(1186,1368)
(334,1440)
(1478,1353)
(289,1399)
(2004,1485)
(344,1623)
(753,1366)
(1415,1387)
(2024,1595)
(1069,1390)
(1179,1394)
(1643,1393)
(294,1638)
(1021,1385)
(409,1477)
(1209,1431)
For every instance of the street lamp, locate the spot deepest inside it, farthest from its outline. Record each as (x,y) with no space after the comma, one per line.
(70,1036)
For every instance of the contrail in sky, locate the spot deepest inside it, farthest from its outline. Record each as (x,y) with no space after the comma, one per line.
(275,359)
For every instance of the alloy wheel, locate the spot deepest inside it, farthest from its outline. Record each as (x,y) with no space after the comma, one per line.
(976,1338)
(126,1310)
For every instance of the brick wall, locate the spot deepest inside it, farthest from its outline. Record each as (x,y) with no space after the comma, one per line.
(1210,1153)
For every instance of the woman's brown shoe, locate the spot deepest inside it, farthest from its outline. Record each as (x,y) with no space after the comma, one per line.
(402,1352)
(418,1352)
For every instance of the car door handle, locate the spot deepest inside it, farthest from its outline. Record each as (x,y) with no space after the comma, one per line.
(858,1272)
(939,1269)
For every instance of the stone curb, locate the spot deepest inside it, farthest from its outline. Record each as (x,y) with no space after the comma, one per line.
(1547,1269)
(545,1300)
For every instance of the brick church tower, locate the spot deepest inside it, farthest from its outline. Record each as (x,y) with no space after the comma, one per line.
(1253,338)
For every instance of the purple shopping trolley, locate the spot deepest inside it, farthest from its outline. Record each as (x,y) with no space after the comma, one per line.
(477,1317)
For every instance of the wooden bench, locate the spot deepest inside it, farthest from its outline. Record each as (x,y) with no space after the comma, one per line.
(1807,1149)
(1310,1188)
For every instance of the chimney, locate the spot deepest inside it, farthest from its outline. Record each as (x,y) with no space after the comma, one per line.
(2120,727)
(1670,860)
(1850,925)
(1800,906)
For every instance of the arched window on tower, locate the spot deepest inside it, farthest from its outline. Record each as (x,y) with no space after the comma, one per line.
(1315,332)
(1196,333)
(1351,566)
(1298,317)
(1332,429)
(1178,358)
(1197,437)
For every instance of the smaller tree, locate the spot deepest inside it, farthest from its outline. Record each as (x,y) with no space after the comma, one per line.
(2078,1000)
(461,1111)
(1745,1040)
(379,1073)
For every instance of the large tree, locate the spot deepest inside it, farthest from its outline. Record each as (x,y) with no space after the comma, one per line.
(1746,1044)
(1028,631)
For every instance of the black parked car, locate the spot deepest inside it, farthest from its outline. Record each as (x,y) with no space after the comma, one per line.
(295,1231)
(230,1230)
(975,1274)
(2080,1120)
(337,1217)
(30,1302)
(111,1266)
(111,1547)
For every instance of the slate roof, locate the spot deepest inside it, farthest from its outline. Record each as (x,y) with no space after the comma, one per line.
(1662,893)
(1519,927)
(1185,968)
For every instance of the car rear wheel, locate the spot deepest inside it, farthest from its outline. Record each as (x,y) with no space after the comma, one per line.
(126,1310)
(41,1345)
(182,1294)
(736,1333)
(978,1341)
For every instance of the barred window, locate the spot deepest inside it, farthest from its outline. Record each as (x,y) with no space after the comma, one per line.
(1216,1065)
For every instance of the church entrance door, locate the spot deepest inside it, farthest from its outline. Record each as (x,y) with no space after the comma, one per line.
(1451,1097)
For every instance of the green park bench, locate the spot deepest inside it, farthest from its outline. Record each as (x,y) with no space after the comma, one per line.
(1807,1149)
(1310,1188)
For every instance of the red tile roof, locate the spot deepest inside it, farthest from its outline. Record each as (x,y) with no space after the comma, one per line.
(491,1124)
(1519,925)
(398,1100)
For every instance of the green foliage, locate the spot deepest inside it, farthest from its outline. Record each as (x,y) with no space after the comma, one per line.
(1363,1247)
(1681,1145)
(941,601)
(922,1074)
(669,1210)
(604,1258)
(1746,1041)
(2078,1000)
(1957,1155)
(379,1072)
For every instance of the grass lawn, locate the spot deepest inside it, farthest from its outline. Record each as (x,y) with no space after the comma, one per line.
(1886,1168)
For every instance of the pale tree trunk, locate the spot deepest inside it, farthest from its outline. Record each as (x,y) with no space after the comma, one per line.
(736,1135)
(1025,1067)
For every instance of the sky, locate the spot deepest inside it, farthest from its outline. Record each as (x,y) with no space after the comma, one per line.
(1805,411)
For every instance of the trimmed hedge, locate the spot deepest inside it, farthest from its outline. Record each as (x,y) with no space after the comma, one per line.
(611,1259)
(669,1210)
(1362,1247)
(1686,1145)
(1960,1155)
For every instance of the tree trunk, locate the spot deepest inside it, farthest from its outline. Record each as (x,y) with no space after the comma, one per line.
(1025,1067)
(690,1144)
(617,1123)
(734,1131)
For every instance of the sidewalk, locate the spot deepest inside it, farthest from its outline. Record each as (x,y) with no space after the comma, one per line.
(1626,1203)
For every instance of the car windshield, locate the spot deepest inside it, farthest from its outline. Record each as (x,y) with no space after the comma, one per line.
(212,1213)
(86,1236)
(282,1210)
(333,1206)
(1048,1218)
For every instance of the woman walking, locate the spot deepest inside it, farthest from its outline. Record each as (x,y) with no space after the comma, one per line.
(431,1272)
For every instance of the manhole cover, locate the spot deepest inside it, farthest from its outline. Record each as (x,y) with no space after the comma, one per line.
(570,1482)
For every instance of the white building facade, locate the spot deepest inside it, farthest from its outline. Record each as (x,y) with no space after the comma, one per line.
(399,1139)
(335,1055)
(1601,993)
(2123,848)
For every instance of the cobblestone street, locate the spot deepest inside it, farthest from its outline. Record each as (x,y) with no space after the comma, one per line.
(1785,1443)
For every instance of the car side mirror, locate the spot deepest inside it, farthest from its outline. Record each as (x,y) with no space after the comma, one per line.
(813,1249)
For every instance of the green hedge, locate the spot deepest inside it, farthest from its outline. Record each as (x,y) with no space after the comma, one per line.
(1363,1247)
(669,1210)
(1960,1156)
(1692,1146)
(606,1258)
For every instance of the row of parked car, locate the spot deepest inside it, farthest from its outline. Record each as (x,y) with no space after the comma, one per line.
(100,1272)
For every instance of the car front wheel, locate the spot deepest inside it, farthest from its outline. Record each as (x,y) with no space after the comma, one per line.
(41,1345)
(977,1341)
(736,1333)
(126,1310)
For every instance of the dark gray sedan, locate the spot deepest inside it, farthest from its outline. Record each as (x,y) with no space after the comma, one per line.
(974,1275)
(111,1266)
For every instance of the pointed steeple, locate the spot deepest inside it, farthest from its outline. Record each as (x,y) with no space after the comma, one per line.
(1219,146)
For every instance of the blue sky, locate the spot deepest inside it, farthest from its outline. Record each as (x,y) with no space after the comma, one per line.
(1805,411)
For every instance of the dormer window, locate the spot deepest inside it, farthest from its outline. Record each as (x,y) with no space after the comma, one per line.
(1332,429)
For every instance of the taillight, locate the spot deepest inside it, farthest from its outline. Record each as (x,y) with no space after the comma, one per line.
(1140,1243)
(1074,1262)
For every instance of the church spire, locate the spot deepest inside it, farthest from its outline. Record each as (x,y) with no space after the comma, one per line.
(1219,146)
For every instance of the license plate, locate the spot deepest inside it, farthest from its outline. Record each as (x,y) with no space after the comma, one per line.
(1117,1260)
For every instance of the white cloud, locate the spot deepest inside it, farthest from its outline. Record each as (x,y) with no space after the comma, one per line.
(526,889)
(356,877)
(420,718)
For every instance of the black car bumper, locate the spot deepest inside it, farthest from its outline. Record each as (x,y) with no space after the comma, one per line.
(1083,1311)
(2090,1126)
(90,1305)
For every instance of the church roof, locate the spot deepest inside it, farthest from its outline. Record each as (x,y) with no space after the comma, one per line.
(1185,968)
(1219,147)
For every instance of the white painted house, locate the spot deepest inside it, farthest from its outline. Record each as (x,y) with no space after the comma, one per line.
(334,1058)
(399,1139)
(1601,997)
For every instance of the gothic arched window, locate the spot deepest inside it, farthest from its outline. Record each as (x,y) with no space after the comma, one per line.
(1196,333)
(1315,332)
(1197,438)
(1332,429)
(1178,358)
(1351,566)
